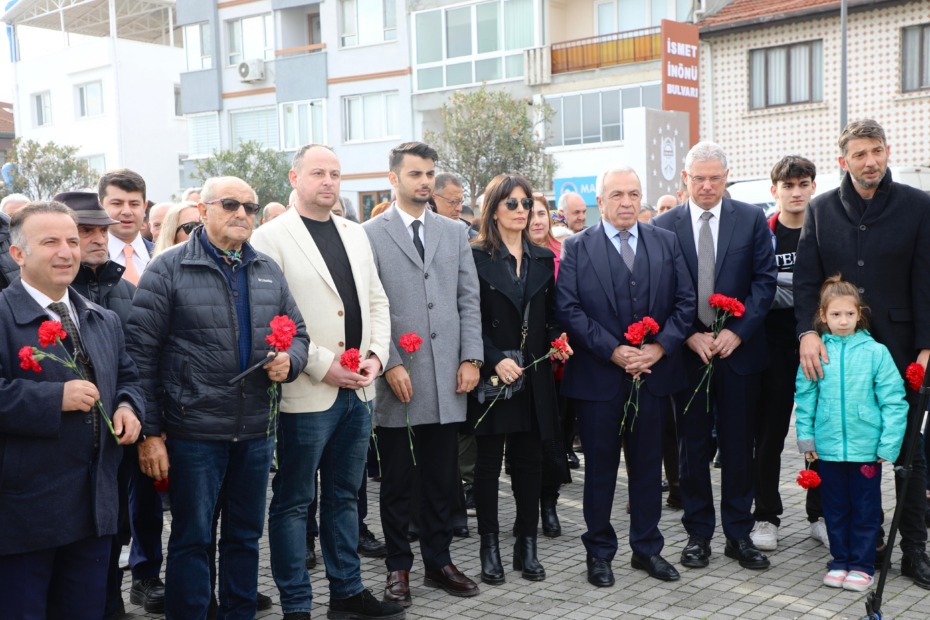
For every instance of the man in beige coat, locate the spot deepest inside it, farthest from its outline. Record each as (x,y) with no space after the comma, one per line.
(325,421)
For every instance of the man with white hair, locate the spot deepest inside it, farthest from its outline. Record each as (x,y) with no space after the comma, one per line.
(13,203)
(609,278)
(728,247)
(156,216)
(574,209)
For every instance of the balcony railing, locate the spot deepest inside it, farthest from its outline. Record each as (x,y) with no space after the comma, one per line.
(606,50)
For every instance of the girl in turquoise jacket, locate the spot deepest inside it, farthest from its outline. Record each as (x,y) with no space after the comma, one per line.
(853,420)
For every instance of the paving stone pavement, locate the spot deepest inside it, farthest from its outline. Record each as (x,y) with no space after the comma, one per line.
(791,589)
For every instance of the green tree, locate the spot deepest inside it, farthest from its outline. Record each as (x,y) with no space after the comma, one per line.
(42,170)
(264,169)
(488,132)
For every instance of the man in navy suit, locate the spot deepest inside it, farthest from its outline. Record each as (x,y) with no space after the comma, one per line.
(612,275)
(122,195)
(728,249)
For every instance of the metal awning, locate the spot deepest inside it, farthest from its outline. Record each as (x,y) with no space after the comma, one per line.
(149,21)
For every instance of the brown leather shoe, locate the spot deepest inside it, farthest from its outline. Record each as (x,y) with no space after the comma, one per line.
(398,588)
(450,579)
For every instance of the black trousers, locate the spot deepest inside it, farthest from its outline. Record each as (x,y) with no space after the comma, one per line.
(773,417)
(524,452)
(436,449)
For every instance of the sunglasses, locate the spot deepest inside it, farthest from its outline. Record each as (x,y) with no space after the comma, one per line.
(513,203)
(189,227)
(231,204)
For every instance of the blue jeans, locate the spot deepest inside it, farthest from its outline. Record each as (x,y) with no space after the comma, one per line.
(199,470)
(335,442)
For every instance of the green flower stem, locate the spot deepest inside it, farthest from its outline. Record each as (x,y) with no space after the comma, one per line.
(552,351)
(374,437)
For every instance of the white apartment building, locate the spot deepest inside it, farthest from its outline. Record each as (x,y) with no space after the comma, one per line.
(102,76)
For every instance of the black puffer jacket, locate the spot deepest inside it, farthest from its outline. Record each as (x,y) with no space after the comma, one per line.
(183,335)
(105,286)
(9,270)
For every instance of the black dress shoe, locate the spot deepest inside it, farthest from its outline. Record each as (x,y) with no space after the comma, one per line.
(311,553)
(263,602)
(916,566)
(412,536)
(696,553)
(450,579)
(747,554)
(673,500)
(460,531)
(656,566)
(573,462)
(665,486)
(549,517)
(149,594)
(364,605)
(599,572)
(297,615)
(369,546)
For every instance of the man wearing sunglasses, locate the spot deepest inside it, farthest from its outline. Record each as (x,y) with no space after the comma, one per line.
(199,320)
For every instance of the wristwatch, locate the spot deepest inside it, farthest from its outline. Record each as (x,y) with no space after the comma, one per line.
(476,363)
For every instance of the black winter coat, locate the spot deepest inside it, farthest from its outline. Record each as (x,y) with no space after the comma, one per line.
(9,270)
(501,328)
(183,334)
(885,253)
(105,286)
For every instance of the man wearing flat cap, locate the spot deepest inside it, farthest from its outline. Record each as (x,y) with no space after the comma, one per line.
(100,280)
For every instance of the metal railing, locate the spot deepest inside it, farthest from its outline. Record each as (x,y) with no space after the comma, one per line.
(607,50)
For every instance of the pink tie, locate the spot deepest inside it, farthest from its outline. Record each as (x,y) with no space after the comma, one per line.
(131,273)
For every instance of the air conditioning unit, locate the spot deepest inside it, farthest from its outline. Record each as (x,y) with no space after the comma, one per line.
(252,70)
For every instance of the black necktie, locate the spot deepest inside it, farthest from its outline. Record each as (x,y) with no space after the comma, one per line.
(80,356)
(416,239)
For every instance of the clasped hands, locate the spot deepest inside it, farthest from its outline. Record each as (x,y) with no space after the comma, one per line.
(636,361)
(706,346)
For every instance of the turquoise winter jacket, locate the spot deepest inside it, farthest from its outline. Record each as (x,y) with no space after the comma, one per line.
(857,412)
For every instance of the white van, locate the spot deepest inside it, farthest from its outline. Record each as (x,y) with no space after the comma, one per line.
(758,191)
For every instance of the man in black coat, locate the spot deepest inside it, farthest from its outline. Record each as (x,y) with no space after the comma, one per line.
(613,274)
(9,270)
(876,233)
(58,498)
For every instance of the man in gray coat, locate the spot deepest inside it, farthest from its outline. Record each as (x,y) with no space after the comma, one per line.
(427,270)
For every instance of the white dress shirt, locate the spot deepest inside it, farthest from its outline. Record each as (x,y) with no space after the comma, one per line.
(140,254)
(614,235)
(714,223)
(44,300)
(408,221)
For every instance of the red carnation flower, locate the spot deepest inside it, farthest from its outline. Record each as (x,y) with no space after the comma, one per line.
(27,361)
(283,330)
(161,485)
(635,333)
(651,325)
(410,342)
(808,479)
(350,360)
(49,331)
(914,376)
(556,346)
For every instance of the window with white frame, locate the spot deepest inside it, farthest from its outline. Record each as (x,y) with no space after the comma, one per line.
(597,116)
(42,109)
(89,99)
(786,75)
(203,134)
(915,58)
(474,43)
(366,22)
(370,117)
(198,46)
(250,37)
(302,123)
(611,16)
(256,125)
(96,163)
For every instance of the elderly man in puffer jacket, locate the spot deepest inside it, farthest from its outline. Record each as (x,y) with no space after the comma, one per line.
(199,319)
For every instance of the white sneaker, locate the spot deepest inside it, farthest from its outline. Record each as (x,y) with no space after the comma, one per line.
(819,532)
(835,578)
(765,536)
(857,581)
(124,558)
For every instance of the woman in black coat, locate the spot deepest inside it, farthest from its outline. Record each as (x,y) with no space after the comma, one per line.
(516,280)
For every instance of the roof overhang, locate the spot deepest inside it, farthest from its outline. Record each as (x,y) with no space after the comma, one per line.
(780,16)
(148,21)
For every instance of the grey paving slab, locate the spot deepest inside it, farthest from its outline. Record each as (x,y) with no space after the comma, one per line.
(790,590)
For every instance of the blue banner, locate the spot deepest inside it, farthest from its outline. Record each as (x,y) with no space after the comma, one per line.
(585,186)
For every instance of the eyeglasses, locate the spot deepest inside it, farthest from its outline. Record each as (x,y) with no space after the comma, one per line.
(513,203)
(714,180)
(454,203)
(189,227)
(232,205)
